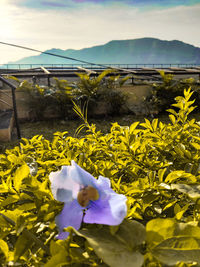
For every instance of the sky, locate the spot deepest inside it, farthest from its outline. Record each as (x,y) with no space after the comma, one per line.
(76,24)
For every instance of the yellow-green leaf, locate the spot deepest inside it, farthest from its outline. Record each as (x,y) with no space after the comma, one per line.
(21,173)
(4,248)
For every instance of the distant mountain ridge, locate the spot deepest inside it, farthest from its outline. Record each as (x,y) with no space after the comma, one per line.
(135,51)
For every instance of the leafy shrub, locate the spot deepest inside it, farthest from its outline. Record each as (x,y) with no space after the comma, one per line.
(163,94)
(156,165)
(101,89)
(91,90)
(43,99)
(62,93)
(39,99)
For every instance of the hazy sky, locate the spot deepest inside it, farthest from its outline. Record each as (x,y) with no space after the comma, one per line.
(46,24)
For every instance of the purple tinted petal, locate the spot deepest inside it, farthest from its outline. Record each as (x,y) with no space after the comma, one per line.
(71,215)
(104,187)
(63,195)
(70,179)
(81,176)
(63,179)
(110,210)
(103,183)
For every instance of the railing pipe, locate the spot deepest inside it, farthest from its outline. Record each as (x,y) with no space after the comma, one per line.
(26,66)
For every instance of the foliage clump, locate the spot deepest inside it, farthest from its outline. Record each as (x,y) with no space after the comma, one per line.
(156,165)
(163,92)
(99,91)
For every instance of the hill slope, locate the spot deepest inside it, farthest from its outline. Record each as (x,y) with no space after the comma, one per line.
(136,51)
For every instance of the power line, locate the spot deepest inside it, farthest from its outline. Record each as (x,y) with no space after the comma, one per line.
(65,57)
(53,54)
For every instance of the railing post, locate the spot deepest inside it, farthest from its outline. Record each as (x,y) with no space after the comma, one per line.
(13,88)
(15,112)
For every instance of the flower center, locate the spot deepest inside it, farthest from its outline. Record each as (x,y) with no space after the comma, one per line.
(86,194)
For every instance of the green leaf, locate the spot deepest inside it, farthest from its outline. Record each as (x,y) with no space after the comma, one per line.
(133,127)
(113,250)
(178,249)
(60,259)
(132,233)
(9,200)
(3,187)
(155,124)
(20,224)
(158,230)
(4,248)
(187,93)
(11,215)
(196,137)
(103,74)
(146,125)
(21,173)
(196,145)
(123,80)
(180,211)
(59,255)
(172,111)
(14,78)
(187,229)
(193,191)
(172,118)
(175,175)
(22,245)
(3,222)
(161,173)
(26,207)
(170,204)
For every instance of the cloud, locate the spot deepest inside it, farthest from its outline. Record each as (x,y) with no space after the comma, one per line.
(91,25)
(53,4)
(40,4)
(142,4)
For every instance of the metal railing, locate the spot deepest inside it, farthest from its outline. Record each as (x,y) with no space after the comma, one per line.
(89,66)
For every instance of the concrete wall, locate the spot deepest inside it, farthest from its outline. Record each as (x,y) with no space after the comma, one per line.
(135,95)
(22,100)
(6,134)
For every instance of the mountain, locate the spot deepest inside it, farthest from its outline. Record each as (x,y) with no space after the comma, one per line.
(136,51)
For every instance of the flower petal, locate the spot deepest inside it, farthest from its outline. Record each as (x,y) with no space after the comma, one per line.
(63,195)
(64,180)
(103,182)
(71,215)
(71,179)
(110,210)
(81,176)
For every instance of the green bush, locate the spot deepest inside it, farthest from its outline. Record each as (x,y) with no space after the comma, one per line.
(163,93)
(156,165)
(91,90)
(41,99)
(101,89)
